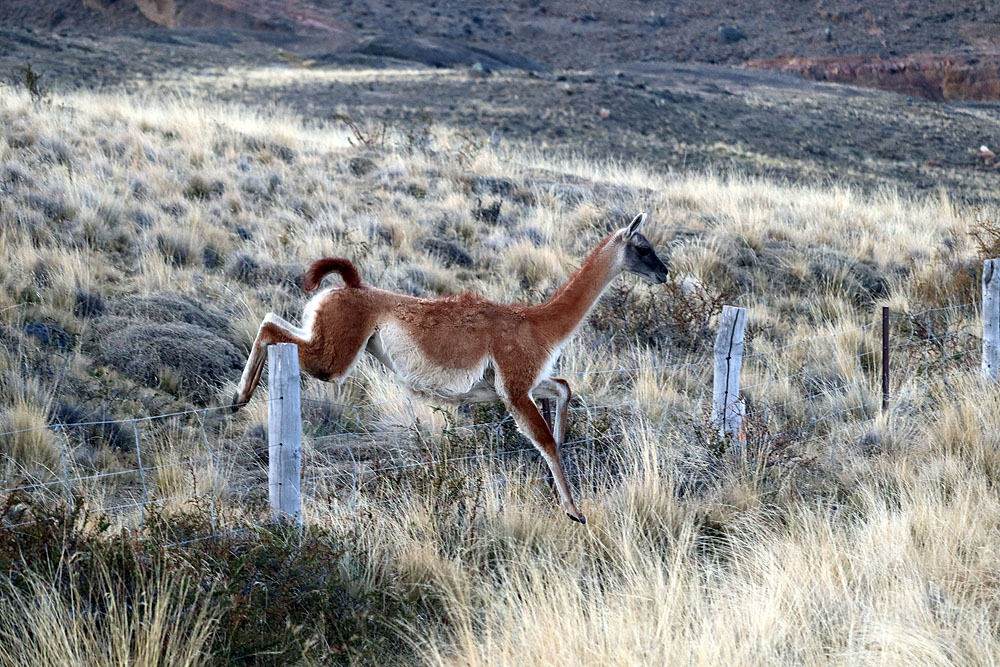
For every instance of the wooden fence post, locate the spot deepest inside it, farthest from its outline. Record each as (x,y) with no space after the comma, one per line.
(727,408)
(284,433)
(991,319)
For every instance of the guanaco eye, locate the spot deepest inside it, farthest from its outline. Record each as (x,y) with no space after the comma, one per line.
(642,251)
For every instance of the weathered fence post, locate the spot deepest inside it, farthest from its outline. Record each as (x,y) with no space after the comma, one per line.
(727,408)
(991,319)
(284,433)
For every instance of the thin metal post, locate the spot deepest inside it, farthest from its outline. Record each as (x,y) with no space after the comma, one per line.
(885,359)
(142,473)
(216,464)
(65,469)
(547,411)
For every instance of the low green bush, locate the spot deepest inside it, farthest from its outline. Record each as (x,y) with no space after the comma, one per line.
(275,595)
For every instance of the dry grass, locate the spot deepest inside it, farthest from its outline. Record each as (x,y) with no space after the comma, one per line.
(859,542)
(29,448)
(29,445)
(38,627)
(896,570)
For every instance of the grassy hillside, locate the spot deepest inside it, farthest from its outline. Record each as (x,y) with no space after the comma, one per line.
(143,237)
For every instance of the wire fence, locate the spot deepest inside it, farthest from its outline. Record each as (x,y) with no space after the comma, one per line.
(832,375)
(356,456)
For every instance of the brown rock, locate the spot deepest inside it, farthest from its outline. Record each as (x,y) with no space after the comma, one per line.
(932,76)
(161,12)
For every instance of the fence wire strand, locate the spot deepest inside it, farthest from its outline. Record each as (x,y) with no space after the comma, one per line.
(817,387)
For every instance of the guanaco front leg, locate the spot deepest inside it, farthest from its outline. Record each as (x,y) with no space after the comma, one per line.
(532,424)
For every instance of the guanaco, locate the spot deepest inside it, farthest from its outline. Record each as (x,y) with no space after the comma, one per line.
(458,348)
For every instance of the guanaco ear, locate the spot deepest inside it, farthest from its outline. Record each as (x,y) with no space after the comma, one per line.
(633,226)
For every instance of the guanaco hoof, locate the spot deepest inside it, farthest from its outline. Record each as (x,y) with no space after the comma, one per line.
(236,402)
(582,519)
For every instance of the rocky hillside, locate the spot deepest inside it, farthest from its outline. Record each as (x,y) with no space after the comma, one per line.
(567,34)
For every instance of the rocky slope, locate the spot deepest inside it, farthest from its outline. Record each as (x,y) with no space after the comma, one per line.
(960,76)
(564,33)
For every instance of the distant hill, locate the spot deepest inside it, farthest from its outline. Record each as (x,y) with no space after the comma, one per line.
(565,33)
(924,48)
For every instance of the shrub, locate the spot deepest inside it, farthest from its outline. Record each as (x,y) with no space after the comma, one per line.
(985,234)
(368,134)
(29,78)
(677,313)
(198,358)
(211,257)
(946,283)
(272,596)
(488,214)
(176,250)
(88,304)
(200,187)
(95,427)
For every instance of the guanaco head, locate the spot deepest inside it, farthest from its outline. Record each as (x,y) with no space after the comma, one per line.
(640,258)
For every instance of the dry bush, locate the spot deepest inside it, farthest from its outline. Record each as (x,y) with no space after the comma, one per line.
(677,315)
(985,233)
(26,76)
(366,133)
(945,283)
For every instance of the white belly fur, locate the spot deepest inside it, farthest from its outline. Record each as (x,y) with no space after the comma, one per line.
(422,376)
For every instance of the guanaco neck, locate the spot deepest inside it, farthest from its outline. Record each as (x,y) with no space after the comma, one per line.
(566,309)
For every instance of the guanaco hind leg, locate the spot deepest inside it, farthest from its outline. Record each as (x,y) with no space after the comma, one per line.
(272,330)
(328,363)
(531,422)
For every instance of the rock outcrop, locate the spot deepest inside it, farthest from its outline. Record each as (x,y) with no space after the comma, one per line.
(161,12)
(932,76)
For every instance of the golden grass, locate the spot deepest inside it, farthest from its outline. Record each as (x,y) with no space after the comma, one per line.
(29,448)
(748,577)
(38,627)
(30,445)
(868,542)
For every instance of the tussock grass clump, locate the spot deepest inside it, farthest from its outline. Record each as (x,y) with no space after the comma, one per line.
(162,623)
(536,268)
(156,231)
(28,444)
(28,448)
